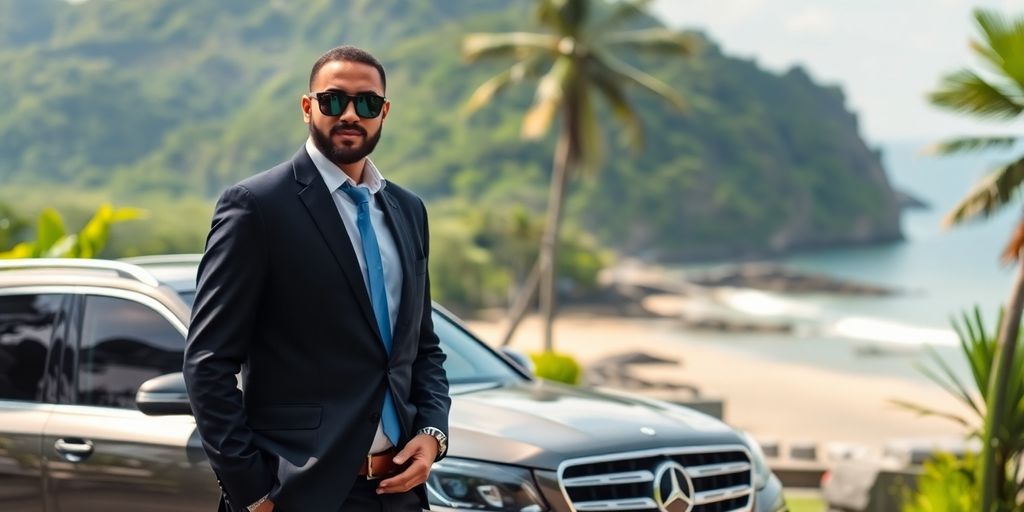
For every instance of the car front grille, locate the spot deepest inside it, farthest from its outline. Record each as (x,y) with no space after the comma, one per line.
(699,479)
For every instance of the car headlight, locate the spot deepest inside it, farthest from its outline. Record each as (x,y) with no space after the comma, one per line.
(761,471)
(466,484)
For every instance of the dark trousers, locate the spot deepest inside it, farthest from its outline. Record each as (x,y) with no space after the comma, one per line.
(364,498)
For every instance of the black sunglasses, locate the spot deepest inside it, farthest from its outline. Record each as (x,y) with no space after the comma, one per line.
(333,103)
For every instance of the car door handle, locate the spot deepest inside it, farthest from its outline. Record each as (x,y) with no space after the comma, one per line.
(73,450)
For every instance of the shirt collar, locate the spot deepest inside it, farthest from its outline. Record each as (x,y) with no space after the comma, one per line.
(334,177)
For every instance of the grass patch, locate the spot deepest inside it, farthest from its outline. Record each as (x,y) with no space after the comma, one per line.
(805,504)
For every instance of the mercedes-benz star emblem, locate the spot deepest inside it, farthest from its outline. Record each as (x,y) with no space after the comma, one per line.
(673,490)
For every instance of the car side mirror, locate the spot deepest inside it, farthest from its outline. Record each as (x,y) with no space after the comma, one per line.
(521,360)
(163,396)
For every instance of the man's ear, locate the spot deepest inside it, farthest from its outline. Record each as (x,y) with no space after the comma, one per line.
(306,103)
(385,110)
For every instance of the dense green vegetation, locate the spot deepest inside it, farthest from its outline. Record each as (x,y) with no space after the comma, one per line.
(949,484)
(995,93)
(171,101)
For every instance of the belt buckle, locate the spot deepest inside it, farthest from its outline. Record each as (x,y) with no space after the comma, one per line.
(369,467)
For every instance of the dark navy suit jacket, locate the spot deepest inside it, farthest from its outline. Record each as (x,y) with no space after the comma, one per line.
(281,298)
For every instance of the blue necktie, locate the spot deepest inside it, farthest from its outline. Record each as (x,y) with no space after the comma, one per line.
(378,296)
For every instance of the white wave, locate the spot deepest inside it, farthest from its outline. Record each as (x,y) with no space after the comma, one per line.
(810,319)
(891,332)
(765,304)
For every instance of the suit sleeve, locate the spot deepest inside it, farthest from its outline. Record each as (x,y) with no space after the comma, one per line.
(430,383)
(230,282)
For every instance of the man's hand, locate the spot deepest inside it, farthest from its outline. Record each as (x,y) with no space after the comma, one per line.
(420,453)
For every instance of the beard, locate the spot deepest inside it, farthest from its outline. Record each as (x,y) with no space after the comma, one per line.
(342,154)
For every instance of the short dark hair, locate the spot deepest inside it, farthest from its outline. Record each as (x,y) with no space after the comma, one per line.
(348,53)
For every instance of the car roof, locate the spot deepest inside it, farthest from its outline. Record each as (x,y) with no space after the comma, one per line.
(65,275)
(153,274)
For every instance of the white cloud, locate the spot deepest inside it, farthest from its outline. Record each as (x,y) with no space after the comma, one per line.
(811,21)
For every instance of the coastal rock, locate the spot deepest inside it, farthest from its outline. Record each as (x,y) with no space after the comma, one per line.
(909,202)
(720,324)
(778,278)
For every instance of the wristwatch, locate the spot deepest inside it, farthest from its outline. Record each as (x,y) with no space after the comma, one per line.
(256,505)
(442,440)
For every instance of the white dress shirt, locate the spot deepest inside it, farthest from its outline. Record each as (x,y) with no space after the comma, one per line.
(373,181)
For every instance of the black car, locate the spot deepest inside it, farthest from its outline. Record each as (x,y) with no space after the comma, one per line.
(79,338)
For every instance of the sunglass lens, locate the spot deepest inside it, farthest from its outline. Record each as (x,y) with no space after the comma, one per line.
(368,106)
(331,103)
(376,103)
(336,104)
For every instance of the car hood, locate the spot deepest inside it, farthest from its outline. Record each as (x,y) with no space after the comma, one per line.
(540,424)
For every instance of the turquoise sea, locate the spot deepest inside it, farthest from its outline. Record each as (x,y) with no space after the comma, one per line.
(939,273)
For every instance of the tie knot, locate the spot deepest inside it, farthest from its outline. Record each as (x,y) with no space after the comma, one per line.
(361,195)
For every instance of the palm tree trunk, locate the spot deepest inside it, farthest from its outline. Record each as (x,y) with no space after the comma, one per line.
(993,471)
(549,243)
(544,276)
(522,303)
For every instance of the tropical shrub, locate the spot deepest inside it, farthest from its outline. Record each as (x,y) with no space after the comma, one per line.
(557,367)
(53,241)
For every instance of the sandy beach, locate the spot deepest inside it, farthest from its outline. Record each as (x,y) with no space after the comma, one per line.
(775,400)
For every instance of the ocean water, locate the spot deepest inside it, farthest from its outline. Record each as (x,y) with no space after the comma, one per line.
(939,274)
(940,271)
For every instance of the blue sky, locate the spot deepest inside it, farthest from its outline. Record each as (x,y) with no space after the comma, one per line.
(886,54)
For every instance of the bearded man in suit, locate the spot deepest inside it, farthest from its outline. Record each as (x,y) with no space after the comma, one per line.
(314,287)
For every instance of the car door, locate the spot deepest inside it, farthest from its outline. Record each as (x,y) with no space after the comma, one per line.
(32,325)
(100,452)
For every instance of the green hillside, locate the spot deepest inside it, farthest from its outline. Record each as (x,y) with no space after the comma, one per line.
(184,97)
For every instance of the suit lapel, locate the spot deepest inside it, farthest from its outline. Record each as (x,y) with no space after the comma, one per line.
(400,232)
(318,202)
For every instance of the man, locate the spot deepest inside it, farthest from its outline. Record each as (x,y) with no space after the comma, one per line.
(314,285)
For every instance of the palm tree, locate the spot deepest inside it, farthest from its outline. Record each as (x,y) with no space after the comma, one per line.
(998,94)
(577,51)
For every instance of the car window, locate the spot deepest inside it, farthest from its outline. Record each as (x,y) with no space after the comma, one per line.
(469,360)
(26,328)
(123,344)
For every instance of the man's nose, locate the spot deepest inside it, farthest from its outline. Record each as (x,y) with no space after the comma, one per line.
(349,114)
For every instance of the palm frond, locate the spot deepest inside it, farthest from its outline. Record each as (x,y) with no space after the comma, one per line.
(620,106)
(971,348)
(626,73)
(655,40)
(964,91)
(515,74)
(988,195)
(979,348)
(926,411)
(550,93)
(517,45)
(951,385)
(621,12)
(566,17)
(1012,252)
(965,144)
(590,139)
(1002,45)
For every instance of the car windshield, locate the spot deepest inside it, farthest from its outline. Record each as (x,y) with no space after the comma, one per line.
(469,360)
